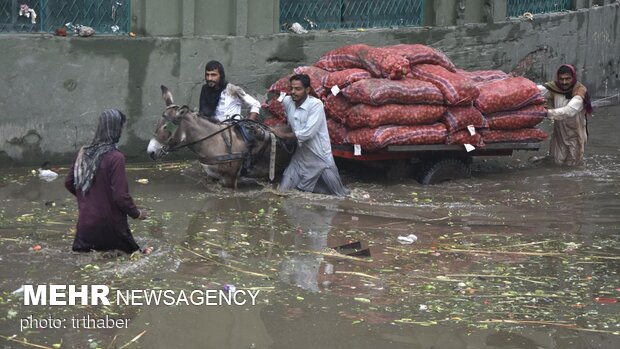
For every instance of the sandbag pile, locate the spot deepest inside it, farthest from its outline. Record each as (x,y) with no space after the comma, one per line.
(413,94)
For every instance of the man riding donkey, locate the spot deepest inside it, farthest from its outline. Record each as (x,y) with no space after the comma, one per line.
(570,107)
(222,101)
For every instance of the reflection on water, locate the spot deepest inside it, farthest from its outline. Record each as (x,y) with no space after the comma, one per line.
(522,255)
(311,228)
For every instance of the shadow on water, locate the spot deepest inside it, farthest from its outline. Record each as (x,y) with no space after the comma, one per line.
(521,255)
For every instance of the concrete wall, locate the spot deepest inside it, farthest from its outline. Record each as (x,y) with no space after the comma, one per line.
(53,88)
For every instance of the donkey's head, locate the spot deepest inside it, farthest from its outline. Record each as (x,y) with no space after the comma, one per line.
(167,132)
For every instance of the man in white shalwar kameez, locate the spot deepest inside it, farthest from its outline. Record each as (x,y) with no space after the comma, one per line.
(312,167)
(570,106)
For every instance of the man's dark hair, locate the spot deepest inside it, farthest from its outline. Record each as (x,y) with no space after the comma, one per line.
(564,70)
(303,78)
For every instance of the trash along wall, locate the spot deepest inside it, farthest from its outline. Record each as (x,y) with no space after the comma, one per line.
(53,87)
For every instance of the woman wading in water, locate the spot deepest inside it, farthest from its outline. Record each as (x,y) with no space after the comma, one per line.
(98,180)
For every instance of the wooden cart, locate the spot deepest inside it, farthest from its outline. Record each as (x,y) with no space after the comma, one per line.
(432,164)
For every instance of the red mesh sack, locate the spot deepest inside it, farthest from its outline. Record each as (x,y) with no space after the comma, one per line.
(483,76)
(457,89)
(271,122)
(377,138)
(522,135)
(337,131)
(384,63)
(337,107)
(382,91)
(526,117)
(464,137)
(364,115)
(342,58)
(317,76)
(282,85)
(458,118)
(407,135)
(421,54)
(275,108)
(508,94)
(345,78)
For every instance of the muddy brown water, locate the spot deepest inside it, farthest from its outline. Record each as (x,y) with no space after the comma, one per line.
(521,255)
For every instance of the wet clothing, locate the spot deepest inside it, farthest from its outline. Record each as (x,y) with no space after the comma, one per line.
(312,167)
(108,133)
(103,209)
(231,99)
(570,135)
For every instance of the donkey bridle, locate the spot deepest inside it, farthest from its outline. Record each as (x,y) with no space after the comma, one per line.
(173,126)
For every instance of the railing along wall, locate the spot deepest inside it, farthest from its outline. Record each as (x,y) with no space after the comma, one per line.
(519,7)
(105,16)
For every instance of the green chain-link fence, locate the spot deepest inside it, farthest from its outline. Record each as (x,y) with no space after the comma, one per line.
(346,14)
(106,16)
(519,7)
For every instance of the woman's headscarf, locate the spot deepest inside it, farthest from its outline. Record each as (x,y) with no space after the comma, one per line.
(576,89)
(108,133)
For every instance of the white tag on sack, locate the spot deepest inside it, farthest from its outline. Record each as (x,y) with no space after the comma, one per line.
(472,129)
(357,150)
(335,90)
(469,147)
(281,98)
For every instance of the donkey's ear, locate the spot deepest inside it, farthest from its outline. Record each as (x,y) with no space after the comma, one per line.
(166,95)
(183,111)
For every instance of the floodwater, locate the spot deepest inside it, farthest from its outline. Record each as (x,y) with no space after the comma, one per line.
(521,255)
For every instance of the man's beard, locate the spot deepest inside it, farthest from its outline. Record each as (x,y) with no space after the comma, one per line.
(212,98)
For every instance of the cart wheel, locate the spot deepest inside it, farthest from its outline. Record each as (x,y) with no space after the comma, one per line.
(398,169)
(445,170)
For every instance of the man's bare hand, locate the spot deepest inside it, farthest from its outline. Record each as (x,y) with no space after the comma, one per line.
(284,132)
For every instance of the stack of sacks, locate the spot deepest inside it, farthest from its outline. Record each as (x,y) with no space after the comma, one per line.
(374,101)
(462,120)
(370,97)
(390,112)
(513,107)
(413,94)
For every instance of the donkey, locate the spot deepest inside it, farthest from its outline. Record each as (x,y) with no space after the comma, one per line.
(221,149)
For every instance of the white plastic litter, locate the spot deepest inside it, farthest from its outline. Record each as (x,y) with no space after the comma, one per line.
(407,240)
(469,147)
(27,12)
(298,28)
(47,175)
(84,31)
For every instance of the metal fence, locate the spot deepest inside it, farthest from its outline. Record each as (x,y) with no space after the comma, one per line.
(519,7)
(106,16)
(347,14)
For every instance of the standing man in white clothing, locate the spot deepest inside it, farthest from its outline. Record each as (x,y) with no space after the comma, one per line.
(312,167)
(570,108)
(221,100)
